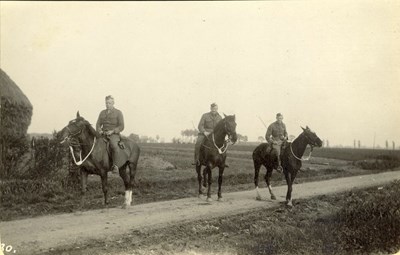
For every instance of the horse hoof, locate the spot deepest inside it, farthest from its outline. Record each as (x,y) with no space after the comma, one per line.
(258,198)
(289,204)
(220,199)
(209,199)
(273,197)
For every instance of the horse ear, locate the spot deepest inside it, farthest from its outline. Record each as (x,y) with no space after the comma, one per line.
(303,128)
(307,128)
(77,115)
(224,115)
(234,116)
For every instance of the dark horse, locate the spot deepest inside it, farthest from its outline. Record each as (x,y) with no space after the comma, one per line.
(291,158)
(213,153)
(83,140)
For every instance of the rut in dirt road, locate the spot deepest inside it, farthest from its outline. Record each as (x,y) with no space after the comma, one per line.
(30,236)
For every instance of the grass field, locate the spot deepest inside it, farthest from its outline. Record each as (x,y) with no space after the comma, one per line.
(165,172)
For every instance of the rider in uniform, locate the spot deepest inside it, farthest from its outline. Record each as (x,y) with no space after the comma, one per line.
(277,136)
(110,123)
(206,126)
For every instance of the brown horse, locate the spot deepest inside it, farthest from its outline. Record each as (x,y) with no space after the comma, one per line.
(213,153)
(291,158)
(83,140)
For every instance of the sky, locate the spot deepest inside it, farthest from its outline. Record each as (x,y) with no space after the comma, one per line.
(331,65)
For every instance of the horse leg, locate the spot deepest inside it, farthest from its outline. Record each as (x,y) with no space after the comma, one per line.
(84,177)
(124,173)
(132,183)
(205,172)
(289,191)
(221,173)
(104,186)
(267,180)
(209,173)
(198,170)
(257,167)
(293,176)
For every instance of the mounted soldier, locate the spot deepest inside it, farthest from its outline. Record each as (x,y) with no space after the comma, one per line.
(277,136)
(206,126)
(110,123)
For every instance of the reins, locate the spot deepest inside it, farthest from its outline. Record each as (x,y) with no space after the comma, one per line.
(301,159)
(80,162)
(220,149)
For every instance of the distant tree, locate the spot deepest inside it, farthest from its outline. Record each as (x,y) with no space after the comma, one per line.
(158,138)
(176,140)
(261,139)
(144,139)
(188,135)
(387,145)
(359,144)
(241,138)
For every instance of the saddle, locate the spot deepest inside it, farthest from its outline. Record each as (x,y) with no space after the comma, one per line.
(120,142)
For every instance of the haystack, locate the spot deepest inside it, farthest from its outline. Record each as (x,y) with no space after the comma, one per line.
(15,114)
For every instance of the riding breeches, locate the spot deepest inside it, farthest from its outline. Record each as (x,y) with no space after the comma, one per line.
(197,146)
(117,158)
(277,148)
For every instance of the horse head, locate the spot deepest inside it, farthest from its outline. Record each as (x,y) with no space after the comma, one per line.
(312,137)
(76,129)
(230,127)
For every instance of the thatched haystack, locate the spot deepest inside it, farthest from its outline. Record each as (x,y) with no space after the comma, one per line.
(15,115)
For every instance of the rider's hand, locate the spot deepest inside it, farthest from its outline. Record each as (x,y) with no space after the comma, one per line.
(110,132)
(206,133)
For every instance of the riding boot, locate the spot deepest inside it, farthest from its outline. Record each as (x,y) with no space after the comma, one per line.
(279,168)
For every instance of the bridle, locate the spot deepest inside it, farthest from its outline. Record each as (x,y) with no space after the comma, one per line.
(72,135)
(224,147)
(311,143)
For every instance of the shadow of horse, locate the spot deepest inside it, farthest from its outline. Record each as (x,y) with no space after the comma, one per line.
(83,139)
(291,158)
(213,153)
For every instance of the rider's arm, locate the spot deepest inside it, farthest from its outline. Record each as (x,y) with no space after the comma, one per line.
(268,134)
(285,134)
(201,124)
(121,125)
(99,124)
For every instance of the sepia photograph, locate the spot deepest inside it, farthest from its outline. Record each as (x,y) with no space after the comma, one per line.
(199,127)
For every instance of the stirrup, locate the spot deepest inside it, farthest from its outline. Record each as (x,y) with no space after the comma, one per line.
(279,169)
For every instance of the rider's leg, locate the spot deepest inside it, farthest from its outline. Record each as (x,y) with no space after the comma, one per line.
(116,160)
(197,147)
(277,148)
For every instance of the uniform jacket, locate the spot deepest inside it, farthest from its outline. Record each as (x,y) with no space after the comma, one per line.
(113,120)
(277,131)
(208,122)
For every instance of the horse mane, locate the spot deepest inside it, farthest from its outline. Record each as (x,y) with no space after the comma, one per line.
(219,124)
(91,130)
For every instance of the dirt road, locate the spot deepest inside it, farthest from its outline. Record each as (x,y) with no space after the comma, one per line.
(31,236)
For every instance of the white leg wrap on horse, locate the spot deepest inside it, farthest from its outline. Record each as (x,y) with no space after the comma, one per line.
(126,197)
(130,197)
